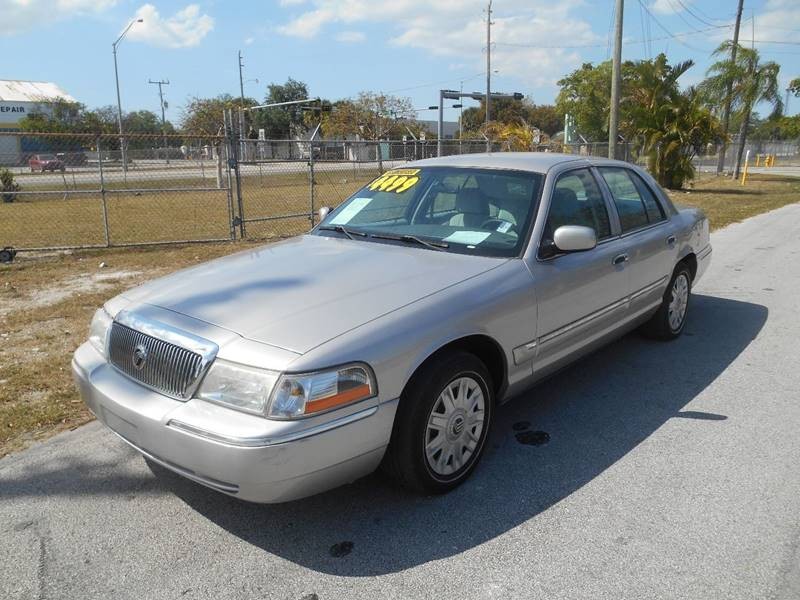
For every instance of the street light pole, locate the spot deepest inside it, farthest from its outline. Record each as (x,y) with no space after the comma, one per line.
(119,100)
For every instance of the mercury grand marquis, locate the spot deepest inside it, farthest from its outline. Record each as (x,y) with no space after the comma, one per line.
(389,334)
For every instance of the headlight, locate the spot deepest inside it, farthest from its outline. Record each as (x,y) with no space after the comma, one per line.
(239,386)
(298,395)
(98,330)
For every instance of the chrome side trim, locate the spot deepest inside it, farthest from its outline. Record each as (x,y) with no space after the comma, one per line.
(704,252)
(649,288)
(257,442)
(228,488)
(525,352)
(549,337)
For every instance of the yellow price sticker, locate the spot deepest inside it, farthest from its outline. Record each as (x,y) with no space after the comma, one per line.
(397,181)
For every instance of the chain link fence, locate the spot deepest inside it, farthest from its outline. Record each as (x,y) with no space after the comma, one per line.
(86,191)
(75,191)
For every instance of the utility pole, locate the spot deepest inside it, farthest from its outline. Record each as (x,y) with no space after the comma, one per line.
(161,83)
(241,79)
(616,83)
(726,109)
(488,68)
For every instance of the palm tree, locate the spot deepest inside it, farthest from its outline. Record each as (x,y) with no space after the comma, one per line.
(744,83)
(672,126)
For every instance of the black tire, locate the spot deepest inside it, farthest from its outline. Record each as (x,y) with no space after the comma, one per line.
(659,326)
(406,460)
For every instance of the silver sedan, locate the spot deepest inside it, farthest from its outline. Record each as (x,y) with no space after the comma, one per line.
(389,334)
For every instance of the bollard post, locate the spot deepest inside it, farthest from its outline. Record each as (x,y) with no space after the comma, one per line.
(744,171)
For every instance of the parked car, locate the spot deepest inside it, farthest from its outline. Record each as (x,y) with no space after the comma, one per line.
(393,330)
(46,162)
(73,158)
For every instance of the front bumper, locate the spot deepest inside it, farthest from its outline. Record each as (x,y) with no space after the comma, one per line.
(242,455)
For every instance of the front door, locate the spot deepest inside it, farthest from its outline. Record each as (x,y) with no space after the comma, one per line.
(581,295)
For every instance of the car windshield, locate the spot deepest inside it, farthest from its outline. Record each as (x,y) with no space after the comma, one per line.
(466,210)
(46,157)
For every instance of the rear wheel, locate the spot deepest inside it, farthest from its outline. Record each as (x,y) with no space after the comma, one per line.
(442,423)
(669,320)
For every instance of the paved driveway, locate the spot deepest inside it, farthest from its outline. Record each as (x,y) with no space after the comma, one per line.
(672,471)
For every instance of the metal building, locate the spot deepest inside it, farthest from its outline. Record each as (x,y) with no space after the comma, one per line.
(18,99)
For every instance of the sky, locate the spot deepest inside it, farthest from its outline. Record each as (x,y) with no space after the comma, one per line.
(408,48)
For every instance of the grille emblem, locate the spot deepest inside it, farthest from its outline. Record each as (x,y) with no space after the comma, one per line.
(139,356)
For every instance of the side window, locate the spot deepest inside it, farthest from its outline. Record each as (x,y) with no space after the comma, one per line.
(577,200)
(629,202)
(655,212)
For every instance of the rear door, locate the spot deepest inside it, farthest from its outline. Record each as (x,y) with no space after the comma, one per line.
(649,238)
(581,295)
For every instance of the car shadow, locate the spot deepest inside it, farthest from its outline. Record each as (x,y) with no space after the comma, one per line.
(592,414)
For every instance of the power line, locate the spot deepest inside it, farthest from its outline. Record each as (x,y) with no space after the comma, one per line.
(634,41)
(667,31)
(695,15)
(435,83)
(679,13)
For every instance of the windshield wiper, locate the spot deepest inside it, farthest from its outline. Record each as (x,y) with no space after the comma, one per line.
(411,239)
(339,229)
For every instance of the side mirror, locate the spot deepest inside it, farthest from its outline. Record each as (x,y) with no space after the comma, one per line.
(323,212)
(574,238)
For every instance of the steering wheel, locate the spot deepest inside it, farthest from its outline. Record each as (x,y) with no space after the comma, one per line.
(500,225)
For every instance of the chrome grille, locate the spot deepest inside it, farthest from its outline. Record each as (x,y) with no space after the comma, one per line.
(166,367)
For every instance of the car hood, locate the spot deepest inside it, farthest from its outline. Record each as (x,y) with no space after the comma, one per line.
(302,292)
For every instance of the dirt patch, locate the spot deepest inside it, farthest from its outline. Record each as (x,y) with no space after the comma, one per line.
(82,283)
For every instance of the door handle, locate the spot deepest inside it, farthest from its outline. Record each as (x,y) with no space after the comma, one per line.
(670,240)
(619,259)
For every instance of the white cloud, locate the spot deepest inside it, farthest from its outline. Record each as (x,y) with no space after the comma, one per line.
(292,2)
(184,29)
(249,40)
(18,16)
(457,29)
(665,7)
(779,21)
(350,37)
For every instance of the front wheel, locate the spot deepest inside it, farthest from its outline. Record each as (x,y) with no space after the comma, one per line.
(669,320)
(442,423)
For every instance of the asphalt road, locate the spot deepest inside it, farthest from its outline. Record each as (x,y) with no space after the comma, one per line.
(182,170)
(672,471)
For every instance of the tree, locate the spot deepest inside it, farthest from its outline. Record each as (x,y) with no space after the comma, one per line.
(671,126)
(750,82)
(516,137)
(282,121)
(203,116)
(794,87)
(65,116)
(371,117)
(512,112)
(547,118)
(585,94)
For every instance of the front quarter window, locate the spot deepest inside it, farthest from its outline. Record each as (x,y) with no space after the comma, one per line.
(464,210)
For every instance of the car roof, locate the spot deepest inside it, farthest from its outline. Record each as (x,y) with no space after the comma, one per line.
(537,162)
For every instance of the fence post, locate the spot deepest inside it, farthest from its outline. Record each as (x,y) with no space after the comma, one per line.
(311,182)
(103,193)
(233,164)
(219,165)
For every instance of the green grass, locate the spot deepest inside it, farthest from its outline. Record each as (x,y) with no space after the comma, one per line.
(77,219)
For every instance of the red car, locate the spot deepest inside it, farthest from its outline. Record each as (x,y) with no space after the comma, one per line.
(46,162)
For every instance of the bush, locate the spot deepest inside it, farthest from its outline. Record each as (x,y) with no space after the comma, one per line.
(8,187)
